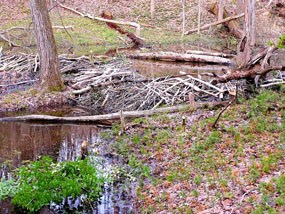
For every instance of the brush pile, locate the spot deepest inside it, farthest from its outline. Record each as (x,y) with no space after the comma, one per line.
(115,85)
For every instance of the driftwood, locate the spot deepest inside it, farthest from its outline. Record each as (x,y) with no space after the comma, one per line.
(170,56)
(112,116)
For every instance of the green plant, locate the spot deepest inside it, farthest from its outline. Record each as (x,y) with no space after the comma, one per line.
(8,188)
(43,181)
(198,179)
(138,168)
(281,42)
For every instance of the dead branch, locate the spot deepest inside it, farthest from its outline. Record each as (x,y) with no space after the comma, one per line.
(225,108)
(11,44)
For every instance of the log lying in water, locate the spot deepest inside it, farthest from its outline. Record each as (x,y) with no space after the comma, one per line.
(170,56)
(112,116)
(207,53)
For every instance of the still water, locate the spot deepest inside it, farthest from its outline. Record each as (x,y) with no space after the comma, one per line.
(29,141)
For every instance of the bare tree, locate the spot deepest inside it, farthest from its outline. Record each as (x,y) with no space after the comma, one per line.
(199,16)
(221,10)
(183,17)
(50,77)
(152,11)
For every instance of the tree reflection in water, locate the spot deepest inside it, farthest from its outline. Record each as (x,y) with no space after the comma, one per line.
(29,141)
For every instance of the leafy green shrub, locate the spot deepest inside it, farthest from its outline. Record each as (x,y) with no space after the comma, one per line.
(44,181)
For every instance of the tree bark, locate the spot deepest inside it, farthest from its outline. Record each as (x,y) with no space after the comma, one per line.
(183,17)
(50,77)
(152,11)
(221,10)
(240,6)
(248,40)
(199,16)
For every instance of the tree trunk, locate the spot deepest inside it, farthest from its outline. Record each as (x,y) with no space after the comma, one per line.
(221,10)
(199,16)
(248,41)
(50,77)
(183,17)
(240,6)
(152,11)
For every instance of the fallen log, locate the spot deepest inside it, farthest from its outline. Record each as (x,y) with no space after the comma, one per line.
(251,73)
(231,18)
(210,53)
(171,56)
(138,42)
(233,25)
(112,116)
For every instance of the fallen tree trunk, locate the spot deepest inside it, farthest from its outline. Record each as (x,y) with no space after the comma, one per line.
(170,56)
(231,18)
(251,73)
(137,41)
(112,116)
(233,25)
(210,53)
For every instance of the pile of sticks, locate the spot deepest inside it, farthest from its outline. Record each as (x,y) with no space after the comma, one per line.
(30,63)
(117,86)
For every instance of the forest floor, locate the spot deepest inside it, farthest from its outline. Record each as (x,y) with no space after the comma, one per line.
(238,167)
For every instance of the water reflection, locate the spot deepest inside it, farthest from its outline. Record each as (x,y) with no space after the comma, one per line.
(161,68)
(28,141)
